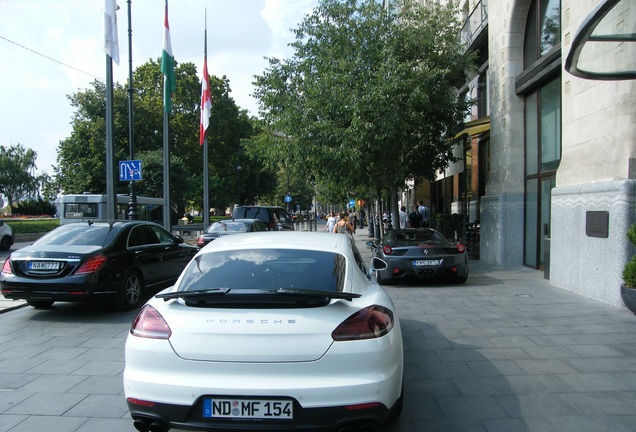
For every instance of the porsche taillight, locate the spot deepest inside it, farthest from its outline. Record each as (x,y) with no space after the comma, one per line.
(6,268)
(150,324)
(368,323)
(92,265)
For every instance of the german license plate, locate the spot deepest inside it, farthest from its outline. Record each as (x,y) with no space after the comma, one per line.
(427,263)
(257,409)
(44,265)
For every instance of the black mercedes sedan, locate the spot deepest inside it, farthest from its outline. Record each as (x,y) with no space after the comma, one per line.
(96,261)
(419,253)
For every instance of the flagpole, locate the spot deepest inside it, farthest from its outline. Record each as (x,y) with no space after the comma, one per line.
(111,192)
(206,184)
(133,214)
(111,47)
(167,217)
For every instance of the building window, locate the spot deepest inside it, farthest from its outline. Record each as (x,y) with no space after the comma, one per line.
(540,85)
(543,29)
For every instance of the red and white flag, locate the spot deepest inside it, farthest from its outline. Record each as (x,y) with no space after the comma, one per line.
(206,102)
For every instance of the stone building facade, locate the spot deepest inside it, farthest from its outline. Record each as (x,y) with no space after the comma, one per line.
(553,177)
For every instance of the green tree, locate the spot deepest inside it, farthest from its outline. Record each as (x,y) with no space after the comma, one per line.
(81,156)
(16,166)
(369,97)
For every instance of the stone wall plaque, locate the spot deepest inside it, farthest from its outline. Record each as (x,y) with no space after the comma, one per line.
(597,224)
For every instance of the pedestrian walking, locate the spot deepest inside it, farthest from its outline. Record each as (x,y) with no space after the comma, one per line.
(403,217)
(415,218)
(425,213)
(331,222)
(343,226)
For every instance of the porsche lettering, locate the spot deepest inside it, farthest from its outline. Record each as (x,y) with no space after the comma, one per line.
(250,321)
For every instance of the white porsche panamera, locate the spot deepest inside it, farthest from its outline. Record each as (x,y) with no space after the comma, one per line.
(267,331)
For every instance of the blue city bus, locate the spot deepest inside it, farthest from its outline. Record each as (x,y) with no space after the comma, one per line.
(83,207)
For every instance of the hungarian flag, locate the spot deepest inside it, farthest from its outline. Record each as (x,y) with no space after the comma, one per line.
(167,66)
(111,42)
(206,102)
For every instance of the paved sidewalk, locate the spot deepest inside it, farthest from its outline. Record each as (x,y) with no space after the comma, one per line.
(505,352)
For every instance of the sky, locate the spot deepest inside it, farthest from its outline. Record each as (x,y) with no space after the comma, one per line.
(54,48)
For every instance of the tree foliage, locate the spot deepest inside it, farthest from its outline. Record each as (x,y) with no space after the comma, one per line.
(368,98)
(81,157)
(16,166)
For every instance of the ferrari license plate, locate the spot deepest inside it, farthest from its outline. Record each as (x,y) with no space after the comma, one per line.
(427,263)
(44,265)
(257,409)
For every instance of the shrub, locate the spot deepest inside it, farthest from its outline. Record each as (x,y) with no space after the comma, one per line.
(629,272)
(34,207)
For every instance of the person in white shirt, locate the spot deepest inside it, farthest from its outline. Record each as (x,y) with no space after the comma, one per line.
(331,222)
(403,217)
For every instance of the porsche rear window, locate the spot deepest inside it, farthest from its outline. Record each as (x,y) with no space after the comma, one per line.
(266,269)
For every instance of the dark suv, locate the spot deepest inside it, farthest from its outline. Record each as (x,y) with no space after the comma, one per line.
(276,218)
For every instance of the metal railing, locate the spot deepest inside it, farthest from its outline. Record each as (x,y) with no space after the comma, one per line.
(475,22)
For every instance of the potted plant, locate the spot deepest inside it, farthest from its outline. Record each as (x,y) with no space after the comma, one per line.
(628,289)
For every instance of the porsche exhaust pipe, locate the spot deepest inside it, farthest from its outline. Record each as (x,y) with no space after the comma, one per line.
(145,424)
(142,424)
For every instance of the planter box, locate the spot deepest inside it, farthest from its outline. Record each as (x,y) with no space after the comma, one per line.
(629,297)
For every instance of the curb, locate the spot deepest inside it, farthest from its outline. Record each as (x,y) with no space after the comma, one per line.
(10,308)
(27,237)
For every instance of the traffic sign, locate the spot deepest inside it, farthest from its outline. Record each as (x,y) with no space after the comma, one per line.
(352,203)
(288,198)
(130,170)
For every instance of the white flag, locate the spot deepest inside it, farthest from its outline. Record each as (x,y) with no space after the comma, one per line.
(111,42)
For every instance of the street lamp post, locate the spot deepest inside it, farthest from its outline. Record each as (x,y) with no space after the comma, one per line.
(133,214)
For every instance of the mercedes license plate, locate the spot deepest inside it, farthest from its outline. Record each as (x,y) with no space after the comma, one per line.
(44,265)
(427,263)
(257,409)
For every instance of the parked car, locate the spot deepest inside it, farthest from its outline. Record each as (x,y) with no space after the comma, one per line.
(230,226)
(96,261)
(276,218)
(419,253)
(6,236)
(267,331)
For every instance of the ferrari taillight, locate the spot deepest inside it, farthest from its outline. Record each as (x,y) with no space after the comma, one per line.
(92,264)
(387,250)
(200,241)
(150,324)
(461,248)
(6,268)
(368,323)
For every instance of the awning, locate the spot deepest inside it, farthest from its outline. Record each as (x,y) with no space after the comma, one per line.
(604,46)
(475,127)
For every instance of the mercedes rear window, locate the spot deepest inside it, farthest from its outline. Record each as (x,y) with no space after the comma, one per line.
(79,235)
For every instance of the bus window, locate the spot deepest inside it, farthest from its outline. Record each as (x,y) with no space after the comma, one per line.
(80,210)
